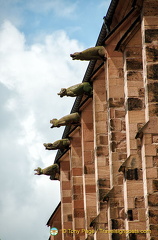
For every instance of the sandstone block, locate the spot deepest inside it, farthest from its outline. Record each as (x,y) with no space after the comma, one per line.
(90,188)
(78,204)
(153,216)
(150,8)
(65,185)
(150,22)
(77,189)
(152,53)
(65,166)
(151,173)
(155,161)
(153,199)
(154,230)
(79,213)
(91,199)
(134,64)
(76,172)
(134,76)
(134,104)
(66,200)
(152,71)
(134,189)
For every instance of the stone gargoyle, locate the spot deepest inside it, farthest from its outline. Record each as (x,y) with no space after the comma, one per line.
(52,171)
(77,90)
(73,118)
(94,53)
(59,144)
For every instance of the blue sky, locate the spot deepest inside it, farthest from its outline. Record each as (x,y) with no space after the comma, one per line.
(36,18)
(36,39)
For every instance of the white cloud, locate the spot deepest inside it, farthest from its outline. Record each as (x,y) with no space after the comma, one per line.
(32,76)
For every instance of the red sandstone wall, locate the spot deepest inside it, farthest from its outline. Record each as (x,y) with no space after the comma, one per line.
(109,177)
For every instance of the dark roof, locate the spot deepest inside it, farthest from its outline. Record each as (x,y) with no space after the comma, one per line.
(53,214)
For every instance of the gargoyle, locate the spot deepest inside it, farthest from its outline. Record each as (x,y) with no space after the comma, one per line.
(76,90)
(52,171)
(94,53)
(59,144)
(72,118)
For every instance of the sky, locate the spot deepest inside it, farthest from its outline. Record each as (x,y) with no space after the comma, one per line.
(36,40)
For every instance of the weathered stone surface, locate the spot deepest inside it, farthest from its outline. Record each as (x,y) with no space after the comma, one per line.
(119,113)
(134,104)
(155,185)
(103,183)
(113,146)
(117,223)
(153,92)
(131,174)
(155,161)
(153,109)
(150,8)
(153,216)
(102,139)
(116,124)
(133,64)
(116,236)
(134,76)
(118,136)
(89,169)
(154,230)
(154,238)
(102,194)
(152,71)
(133,52)
(132,236)
(90,238)
(141,92)
(153,199)
(69,216)
(101,151)
(151,35)
(79,213)
(152,53)
(155,138)
(116,102)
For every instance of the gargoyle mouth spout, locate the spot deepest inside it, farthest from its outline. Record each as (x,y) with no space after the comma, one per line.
(73,56)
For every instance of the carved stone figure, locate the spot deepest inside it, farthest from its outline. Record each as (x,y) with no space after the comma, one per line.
(52,171)
(76,90)
(59,144)
(94,53)
(72,118)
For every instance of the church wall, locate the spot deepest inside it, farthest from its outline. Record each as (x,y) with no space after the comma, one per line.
(109,176)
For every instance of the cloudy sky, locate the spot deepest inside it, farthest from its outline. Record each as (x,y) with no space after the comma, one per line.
(36,39)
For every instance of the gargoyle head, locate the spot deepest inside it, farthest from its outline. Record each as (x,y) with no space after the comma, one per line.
(75,55)
(38,171)
(48,146)
(54,123)
(62,92)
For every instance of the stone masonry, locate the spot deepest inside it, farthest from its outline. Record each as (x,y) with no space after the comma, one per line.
(109,175)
